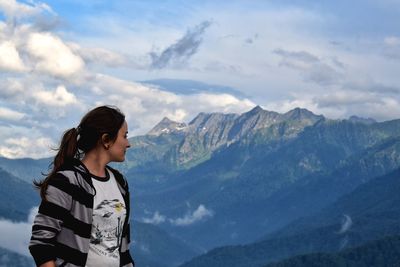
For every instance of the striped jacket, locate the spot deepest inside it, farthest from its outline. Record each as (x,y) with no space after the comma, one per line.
(61,229)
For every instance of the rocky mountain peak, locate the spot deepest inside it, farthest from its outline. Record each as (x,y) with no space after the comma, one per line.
(254,119)
(256,109)
(259,111)
(167,126)
(301,114)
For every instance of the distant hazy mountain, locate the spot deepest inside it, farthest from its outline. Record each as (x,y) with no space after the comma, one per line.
(383,252)
(363,120)
(17,197)
(370,212)
(26,169)
(154,247)
(187,87)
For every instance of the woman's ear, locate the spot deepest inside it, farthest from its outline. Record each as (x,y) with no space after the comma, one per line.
(105,140)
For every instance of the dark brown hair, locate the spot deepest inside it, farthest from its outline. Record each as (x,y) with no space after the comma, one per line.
(77,141)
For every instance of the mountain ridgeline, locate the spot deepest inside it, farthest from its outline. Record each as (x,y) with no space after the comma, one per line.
(254,173)
(186,145)
(252,189)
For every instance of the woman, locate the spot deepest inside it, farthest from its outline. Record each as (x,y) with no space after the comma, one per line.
(83,218)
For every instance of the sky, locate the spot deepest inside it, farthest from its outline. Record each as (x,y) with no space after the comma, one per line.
(59,59)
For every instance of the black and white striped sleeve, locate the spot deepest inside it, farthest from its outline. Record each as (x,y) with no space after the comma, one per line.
(47,224)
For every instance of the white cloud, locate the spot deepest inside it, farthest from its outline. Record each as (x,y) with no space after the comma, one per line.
(13,9)
(11,115)
(177,115)
(199,214)
(392,41)
(361,103)
(26,147)
(9,57)
(220,102)
(345,98)
(11,88)
(340,103)
(15,236)
(50,110)
(145,106)
(392,48)
(156,219)
(97,55)
(53,55)
(60,97)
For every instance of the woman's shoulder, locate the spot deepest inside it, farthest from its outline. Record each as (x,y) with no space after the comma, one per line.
(64,175)
(75,176)
(69,171)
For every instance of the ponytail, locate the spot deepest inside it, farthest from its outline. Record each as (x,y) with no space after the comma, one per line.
(67,151)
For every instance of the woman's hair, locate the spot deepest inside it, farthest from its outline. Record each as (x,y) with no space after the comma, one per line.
(78,141)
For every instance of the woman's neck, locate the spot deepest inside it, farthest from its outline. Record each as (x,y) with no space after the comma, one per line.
(95,163)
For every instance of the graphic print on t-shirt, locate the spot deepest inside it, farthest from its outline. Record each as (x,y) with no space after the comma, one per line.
(108,228)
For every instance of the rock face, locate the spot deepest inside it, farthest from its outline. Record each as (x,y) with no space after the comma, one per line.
(167,126)
(209,131)
(206,133)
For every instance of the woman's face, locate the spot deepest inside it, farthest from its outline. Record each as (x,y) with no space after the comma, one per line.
(118,148)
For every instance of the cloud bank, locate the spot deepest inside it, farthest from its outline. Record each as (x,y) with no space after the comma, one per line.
(15,236)
(200,214)
(49,82)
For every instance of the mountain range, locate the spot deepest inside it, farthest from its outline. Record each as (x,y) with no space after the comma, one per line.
(248,189)
(378,253)
(368,213)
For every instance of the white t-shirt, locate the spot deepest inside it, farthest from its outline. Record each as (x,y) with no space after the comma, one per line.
(109,214)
